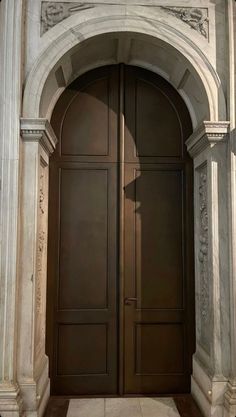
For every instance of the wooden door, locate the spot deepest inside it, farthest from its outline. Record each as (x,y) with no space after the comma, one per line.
(158,248)
(120,279)
(82,266)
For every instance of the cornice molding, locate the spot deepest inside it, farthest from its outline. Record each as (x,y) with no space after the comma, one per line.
(208,134)
(39,130)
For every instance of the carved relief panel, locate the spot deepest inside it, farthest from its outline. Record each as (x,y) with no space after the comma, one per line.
(203,293)
(41,260)
(53,13)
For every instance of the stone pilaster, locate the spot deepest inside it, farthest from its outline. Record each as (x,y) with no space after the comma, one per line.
(208,148)
(10,102)
(38,143)
(230,396)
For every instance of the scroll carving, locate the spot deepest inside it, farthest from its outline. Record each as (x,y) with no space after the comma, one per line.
(196,18)
(41,240)
(41,194)
(203,245)
(55,12)
(41,259)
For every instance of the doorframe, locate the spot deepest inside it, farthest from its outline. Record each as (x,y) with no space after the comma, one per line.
(208,144)
(119,70)
(121,130)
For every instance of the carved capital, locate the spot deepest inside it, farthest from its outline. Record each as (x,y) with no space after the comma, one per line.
(207,135)
(39,130)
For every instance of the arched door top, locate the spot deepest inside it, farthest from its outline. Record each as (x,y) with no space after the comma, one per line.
(154,44)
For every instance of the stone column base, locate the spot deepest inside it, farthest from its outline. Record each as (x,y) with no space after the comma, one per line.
(208,391)
(10,401)
(36,392)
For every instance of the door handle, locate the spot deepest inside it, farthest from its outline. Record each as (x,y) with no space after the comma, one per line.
(128,300)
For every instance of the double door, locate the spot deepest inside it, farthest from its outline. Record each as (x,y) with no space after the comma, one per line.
(120,276)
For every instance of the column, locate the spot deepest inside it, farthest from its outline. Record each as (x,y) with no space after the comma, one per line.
(208,148)
(39,142)
(230,396)
(11,40)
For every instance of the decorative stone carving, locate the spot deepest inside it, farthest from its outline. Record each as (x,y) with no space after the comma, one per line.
(39,130)
(41,194)
(203,245)
(196,18)
(54,12)
(41,259)
(207,135)
(41,240)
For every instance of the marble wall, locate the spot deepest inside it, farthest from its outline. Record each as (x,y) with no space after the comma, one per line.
(44,45)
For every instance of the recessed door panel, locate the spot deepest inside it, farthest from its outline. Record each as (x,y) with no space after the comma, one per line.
(151,338)
(87,117)
(159,237)
(85,346)
(84,231)
(157,127)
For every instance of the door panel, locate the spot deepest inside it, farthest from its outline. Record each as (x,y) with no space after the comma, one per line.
(89,181)
(85,315)
(159,237)
(85,118)
(152,341)
(78,357)
(84,207)
(83,246)
(153,108)
(154,275)
(157,123)
(158,258)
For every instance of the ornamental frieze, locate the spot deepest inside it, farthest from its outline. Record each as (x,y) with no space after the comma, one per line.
(203,245)
(53,13)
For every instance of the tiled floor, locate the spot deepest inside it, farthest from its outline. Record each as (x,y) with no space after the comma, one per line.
(123,407)
(182,406)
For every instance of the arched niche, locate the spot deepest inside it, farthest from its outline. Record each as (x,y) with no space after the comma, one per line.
(152,44)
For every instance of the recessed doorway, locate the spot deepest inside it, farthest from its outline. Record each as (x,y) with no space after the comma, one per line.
(120,304)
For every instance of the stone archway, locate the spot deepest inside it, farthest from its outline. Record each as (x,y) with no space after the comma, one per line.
(47,79)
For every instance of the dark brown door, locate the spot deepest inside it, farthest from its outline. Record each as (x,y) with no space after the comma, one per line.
(120,281)
(158,324)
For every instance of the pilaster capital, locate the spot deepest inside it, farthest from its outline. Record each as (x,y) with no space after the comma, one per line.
(207,135)
(39,130)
